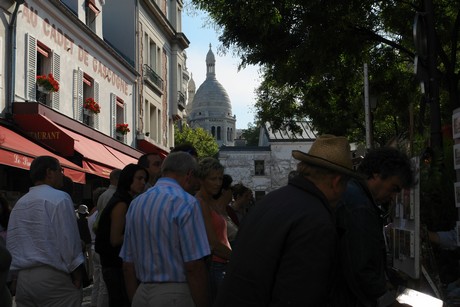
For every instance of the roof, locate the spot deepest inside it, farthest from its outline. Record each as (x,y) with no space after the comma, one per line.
(307,133)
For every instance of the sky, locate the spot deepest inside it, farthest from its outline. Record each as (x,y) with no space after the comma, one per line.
(240,85)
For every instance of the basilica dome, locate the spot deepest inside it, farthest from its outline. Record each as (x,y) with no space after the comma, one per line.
(211,108)
(211,94)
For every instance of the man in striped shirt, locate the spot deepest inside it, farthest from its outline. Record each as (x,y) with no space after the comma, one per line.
(165,241)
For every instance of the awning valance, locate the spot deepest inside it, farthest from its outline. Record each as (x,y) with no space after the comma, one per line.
(18,151)
(97,158)
(149,147)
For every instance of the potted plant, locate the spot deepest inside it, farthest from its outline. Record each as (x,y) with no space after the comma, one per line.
(47,83)
(91,106)
(122,129)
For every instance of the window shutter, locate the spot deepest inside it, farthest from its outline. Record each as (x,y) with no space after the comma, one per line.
(125,115)
(78,94)
(125,120)
(31,68)
(96,97)
(56,69)
(113,113)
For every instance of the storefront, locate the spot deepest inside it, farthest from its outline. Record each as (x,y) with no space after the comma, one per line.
(95,152)
(16,154)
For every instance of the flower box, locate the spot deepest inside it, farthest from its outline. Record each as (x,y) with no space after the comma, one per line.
(47,83)
(122,129)
(91,106)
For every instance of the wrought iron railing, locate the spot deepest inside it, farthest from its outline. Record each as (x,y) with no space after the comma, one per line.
(152,76)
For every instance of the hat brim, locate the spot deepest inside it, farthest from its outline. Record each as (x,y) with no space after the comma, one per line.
(318,161)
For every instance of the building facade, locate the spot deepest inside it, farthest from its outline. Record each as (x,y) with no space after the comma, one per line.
(266,167)
(154,43)
(136,79)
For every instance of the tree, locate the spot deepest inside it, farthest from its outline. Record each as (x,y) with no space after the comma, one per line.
(312,54)
(204,143)
(251,135)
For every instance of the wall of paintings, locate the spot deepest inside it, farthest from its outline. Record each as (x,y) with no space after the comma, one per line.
(404,233)
(456,136)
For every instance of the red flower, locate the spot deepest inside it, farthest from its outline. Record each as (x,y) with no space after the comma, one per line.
(48,82)
(91,105)
(122,128)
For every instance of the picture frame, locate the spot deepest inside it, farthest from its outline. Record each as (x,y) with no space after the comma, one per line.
(456,149)
(457,228)
(456,125)
(457,194)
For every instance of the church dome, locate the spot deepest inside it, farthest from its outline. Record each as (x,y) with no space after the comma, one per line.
(211,93)
(211,108)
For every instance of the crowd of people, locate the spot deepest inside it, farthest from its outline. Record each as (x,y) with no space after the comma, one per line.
(176,231)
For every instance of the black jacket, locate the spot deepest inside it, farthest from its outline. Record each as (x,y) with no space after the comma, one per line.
(362,250)
(285,251)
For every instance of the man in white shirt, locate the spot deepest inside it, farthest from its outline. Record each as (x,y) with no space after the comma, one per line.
(107,195)
(44,242)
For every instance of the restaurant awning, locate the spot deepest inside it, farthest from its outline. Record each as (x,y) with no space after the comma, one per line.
(98,158)
(99,153)
(18,151)
(148,147)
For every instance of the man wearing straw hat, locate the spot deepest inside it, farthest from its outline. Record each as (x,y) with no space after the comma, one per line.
(286,246)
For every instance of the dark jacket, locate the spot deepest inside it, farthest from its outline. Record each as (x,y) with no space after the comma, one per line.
(83,228)
(285,251)
(362,251)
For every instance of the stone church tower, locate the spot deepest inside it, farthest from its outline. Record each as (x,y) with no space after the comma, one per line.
(210,107)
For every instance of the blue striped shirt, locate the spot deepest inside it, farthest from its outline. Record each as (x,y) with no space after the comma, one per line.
(164,229)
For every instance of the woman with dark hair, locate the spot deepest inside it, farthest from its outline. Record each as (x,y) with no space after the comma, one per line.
(111,229)
(242,198)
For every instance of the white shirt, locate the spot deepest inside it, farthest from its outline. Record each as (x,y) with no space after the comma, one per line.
(91,219)
(42,230)
(105,197)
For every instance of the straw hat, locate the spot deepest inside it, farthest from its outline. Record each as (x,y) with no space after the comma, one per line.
(330,152)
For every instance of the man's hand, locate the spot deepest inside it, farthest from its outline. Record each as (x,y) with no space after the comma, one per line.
(77,276)
(131,282)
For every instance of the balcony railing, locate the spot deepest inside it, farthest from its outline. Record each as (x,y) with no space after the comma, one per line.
(151,75)
(180,101)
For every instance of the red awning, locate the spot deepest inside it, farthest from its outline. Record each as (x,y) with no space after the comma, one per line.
(124,158)
(44,130)
(148,147)
(97,158)
(18,151)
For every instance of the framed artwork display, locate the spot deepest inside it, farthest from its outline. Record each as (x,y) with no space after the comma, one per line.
(456,125)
